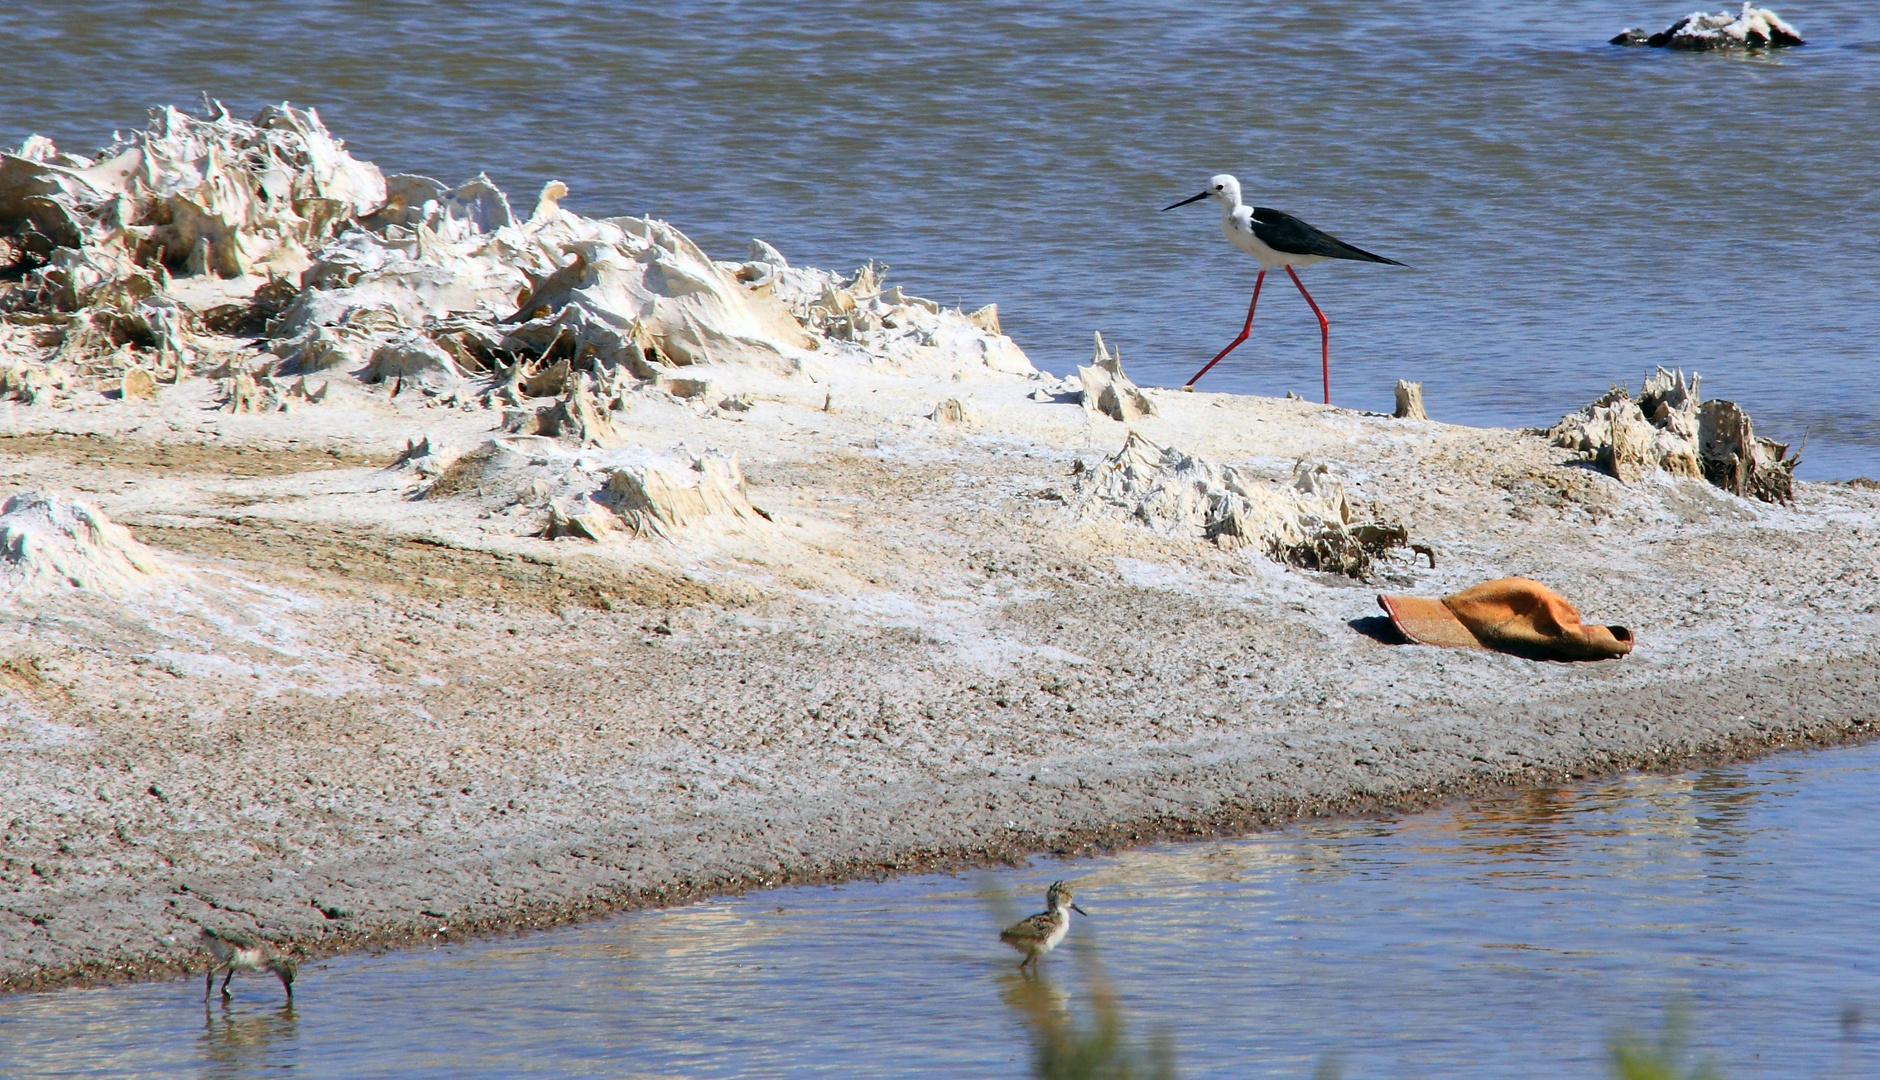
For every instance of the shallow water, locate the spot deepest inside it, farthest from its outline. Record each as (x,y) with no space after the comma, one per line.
(1576,212)
(1508,936)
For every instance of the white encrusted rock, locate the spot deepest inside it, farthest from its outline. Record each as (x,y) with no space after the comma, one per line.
(412,356)
(1751,28)
(951,411)
(666,501)
(403,277)
(583,521)
(225,196)
(1619,435)
(1305,523)
(50,543)
(1671,429)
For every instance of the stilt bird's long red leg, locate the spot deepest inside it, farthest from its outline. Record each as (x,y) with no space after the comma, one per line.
(1325,334)
(1244,331)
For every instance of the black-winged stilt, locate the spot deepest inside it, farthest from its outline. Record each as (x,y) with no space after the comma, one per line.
(1276,239)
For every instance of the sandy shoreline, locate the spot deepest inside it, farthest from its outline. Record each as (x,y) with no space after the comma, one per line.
(313,737)
(511,571)
(996,847)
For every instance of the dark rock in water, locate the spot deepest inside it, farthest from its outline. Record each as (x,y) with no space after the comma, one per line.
(1752,28)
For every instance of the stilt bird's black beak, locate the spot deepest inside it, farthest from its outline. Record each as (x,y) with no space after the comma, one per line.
(1074,907)
(1185,202)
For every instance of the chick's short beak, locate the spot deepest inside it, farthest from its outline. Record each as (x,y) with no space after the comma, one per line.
(1080,911)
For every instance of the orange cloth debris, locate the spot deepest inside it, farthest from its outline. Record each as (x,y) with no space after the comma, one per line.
(1512,615)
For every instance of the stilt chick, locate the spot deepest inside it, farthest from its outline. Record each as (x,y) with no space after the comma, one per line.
(239,952)
(1040,934)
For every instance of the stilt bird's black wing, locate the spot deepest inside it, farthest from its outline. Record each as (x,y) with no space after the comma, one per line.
(1283,232)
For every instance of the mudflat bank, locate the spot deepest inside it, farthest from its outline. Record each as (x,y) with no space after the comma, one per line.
(489,571)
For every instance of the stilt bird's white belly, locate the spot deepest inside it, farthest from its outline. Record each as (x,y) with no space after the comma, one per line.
(1056,935)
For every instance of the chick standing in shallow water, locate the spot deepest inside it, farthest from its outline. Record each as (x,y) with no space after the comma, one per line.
(239,952)
(1040,934)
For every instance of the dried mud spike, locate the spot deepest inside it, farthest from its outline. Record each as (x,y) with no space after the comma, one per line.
(1627,454)
(551,381)
(244,395)
(579,417)
(1410,401)
(987,319)
(28,383)
(548,203)
(85,338)
(506,385)
(1108,391)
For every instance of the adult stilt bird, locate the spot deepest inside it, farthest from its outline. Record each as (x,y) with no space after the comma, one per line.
(1276,239)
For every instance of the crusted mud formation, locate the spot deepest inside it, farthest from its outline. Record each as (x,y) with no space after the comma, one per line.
(417,566)
(1306,522)
(1751,28)
(1670,429)
(164,254)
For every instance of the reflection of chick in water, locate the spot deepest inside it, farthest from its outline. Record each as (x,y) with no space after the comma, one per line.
(1101,1046)
(231,1040)
(1041,1002)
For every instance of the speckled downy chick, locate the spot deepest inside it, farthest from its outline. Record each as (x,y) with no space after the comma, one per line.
(1040,933)
(239,952)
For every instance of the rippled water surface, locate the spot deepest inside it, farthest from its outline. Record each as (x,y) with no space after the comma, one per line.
(1509,936)
(1575,212)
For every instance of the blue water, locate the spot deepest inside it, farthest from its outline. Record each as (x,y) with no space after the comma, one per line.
(1575,212)
(1506,936)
